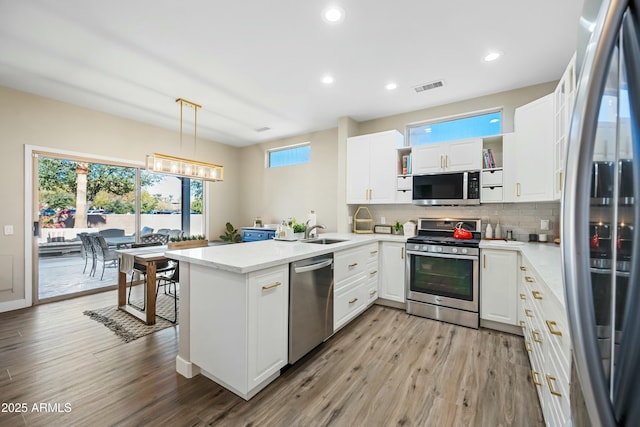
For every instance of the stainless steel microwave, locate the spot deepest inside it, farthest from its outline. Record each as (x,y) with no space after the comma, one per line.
(451,188)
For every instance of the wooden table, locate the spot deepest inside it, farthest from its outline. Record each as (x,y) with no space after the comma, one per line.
(148,256)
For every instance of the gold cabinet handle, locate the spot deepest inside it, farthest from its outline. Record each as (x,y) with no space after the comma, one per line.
(528,312)
(522,324)
(353,265)
(529,279)
(441,166)
(534,376)
(446,161)
(275,285)
(523,268)
(402,253)
(523,296)
(560,184)
(372,293)
(353,300)
(536,336)
(373,273)
(536,294)
(552,389)
(484,261)
(518,189)
(527,345)
(552,327)
(373,252)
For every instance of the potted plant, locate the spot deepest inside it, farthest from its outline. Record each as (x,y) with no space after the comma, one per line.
(185,242)
(298,229)
(397,228)
(231,234)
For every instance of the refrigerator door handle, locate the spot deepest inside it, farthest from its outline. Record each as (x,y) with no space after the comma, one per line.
(575,212)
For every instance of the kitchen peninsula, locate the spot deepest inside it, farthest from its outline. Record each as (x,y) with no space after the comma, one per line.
(234,307)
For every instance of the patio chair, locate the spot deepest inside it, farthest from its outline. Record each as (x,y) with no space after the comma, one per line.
(87,251)
(175,233)
(103,253)
(146,230)
(112,232)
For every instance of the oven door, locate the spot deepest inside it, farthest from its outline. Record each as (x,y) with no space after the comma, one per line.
(443,279)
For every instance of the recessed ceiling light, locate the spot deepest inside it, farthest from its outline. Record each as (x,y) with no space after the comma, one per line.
(327,80)
(492,56)
(391,86)
(333,14)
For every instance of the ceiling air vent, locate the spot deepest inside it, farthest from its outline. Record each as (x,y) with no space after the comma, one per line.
(262,129)
(428,86)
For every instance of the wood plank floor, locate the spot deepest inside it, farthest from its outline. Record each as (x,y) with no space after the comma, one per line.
(385,368)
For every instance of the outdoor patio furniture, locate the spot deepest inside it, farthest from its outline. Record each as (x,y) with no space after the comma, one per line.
(112,232)
(146,230)
(87,252)
(103,253)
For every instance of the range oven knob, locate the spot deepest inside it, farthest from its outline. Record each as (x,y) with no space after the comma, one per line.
(438,249)
(464,251)
(454,250)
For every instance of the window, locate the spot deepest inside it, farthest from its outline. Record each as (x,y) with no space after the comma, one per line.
(288,156)
(475,126)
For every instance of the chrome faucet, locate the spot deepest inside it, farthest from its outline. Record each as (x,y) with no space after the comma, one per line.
(307,230)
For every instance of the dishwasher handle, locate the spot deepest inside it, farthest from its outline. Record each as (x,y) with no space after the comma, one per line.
(312,267)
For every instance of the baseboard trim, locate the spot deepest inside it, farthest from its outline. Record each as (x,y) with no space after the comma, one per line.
(502,327)
(14,305)
(185,368)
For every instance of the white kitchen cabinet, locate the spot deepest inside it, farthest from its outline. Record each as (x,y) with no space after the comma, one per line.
(269,323)
(563,98)
(371,167)
(529,162)
(548,343)
(454,156)
(355,276)
(499,286)
(392,269)
(247,316)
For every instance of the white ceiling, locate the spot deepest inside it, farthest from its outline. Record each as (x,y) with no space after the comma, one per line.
(254,64)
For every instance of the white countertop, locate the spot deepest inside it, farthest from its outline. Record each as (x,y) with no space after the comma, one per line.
(253,256)
(544,257)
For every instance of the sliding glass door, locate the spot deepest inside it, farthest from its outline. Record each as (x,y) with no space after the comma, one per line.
(77,197)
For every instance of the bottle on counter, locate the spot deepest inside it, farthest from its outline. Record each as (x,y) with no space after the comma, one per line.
(488,234)
(497,231)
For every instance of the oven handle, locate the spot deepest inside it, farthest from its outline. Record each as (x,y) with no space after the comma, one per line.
(452,256)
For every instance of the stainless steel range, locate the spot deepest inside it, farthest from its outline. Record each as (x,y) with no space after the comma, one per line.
(442,277)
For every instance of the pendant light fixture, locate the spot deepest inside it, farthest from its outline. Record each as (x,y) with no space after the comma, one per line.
(163,163)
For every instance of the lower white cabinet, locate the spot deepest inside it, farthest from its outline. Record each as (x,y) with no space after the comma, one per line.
(392,268)
(548,343)
(239,326)
(499,286)
(355,278)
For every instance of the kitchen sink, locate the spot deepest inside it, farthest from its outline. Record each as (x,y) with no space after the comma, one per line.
(322,241)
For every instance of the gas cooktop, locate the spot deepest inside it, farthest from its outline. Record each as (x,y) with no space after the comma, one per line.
(440,232)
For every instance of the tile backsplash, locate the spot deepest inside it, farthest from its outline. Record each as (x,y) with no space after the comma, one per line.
(522,218)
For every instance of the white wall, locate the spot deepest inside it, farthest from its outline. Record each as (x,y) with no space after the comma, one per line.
(275,194)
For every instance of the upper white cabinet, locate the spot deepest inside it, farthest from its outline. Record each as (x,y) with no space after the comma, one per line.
(371,167)
(529,162)
(453,156)
(392,267)
(563,98)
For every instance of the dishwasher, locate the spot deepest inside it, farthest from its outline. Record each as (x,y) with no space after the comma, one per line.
(310,304)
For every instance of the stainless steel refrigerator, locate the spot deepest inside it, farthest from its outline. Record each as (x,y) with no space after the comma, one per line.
(600,219)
